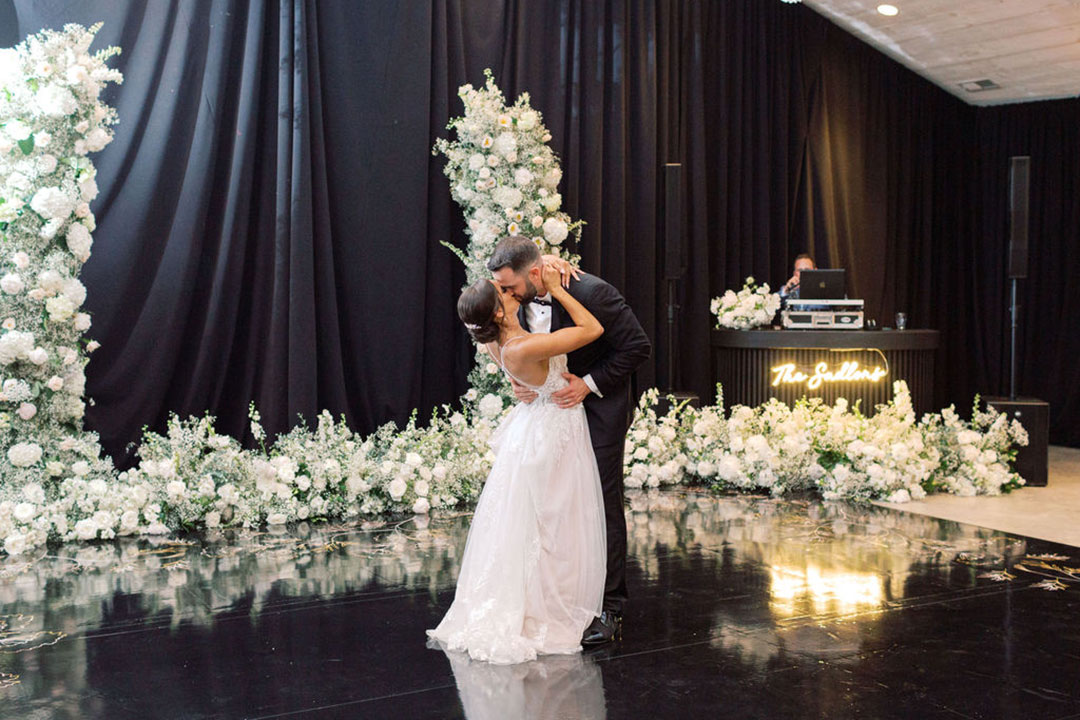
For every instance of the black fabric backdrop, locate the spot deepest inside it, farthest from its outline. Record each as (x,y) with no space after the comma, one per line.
(270,210)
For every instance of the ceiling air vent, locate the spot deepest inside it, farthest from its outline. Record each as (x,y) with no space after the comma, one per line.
(980,85)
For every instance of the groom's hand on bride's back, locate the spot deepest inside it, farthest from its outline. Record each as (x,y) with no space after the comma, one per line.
(521,392)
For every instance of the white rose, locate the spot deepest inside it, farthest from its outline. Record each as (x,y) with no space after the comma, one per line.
(275,518)
(15,544)
(303,482)
(82,322)
(86,529)
(422,488)
(471,394)
(54,469)
(421,506)
(552,202)
(27,411)
(12,284)
(129,521)
(641,454)
(21,260)
(528,120)
(476,161)
(46,163)
(176,489)
(92,346)
(24,512)
(34,493)
(38,356)
(397,488)
(24,454)
(522,176)
(491,368)
(213,519)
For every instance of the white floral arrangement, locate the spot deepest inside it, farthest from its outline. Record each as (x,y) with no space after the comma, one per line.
(976,457)
(835,450)
(51,118)
(655,452)
(504,176)
(751,307)
(57,486)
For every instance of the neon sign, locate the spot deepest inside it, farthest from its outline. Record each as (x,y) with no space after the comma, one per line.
(789,374)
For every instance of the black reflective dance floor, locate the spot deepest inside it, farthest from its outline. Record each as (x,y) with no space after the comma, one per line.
(742,608)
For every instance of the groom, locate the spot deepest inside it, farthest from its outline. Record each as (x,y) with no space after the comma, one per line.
(600,378)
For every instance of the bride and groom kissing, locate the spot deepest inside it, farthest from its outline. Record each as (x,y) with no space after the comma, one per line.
(544,568)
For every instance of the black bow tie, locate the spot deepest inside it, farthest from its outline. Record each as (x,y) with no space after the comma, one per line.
(538,301)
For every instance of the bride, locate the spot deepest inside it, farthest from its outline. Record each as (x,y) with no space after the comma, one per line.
(532,576)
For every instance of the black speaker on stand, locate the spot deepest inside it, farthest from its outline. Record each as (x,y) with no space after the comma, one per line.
(1034,415)
(673,271)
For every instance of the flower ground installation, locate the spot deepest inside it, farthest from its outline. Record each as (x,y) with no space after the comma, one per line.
(57,485)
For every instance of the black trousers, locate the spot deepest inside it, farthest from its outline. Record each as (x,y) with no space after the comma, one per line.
(609,460)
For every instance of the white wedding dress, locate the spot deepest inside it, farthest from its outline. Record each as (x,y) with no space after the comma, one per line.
(532,576)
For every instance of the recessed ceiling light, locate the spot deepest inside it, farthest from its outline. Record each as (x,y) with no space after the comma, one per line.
(889,10)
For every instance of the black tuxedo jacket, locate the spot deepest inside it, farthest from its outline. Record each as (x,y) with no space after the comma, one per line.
(611,359)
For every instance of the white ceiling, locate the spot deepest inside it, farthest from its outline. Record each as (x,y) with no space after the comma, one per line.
(1031,48)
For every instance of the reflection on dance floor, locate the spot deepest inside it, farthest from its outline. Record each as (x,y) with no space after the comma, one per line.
(764,602)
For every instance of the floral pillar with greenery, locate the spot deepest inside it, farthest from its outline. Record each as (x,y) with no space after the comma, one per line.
(51,118)
(505,177)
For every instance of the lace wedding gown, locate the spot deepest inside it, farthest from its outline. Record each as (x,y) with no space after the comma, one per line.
(532,576)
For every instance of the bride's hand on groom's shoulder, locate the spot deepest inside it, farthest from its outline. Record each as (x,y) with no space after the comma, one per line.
(565,268)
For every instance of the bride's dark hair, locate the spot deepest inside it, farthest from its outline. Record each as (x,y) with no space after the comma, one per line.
(476,307)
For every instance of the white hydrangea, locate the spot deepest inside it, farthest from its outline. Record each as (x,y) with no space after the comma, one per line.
(79,241)
(490,406)
(12,284)
(24,454)
(52,203)
(555,231)
(15,345)
(55,101)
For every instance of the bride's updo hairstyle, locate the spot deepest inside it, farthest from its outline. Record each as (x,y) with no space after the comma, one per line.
(476,307)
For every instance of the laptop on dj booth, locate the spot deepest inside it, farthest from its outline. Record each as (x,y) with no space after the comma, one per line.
(821,285)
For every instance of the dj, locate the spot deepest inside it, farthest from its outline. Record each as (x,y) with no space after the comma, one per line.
(791,288)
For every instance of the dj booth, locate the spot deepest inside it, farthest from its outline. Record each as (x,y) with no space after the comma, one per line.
(860,365)
(824,351)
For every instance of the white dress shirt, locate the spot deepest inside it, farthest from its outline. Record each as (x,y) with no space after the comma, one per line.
(539,319)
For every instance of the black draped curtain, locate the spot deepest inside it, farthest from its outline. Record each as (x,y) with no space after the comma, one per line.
(270,214)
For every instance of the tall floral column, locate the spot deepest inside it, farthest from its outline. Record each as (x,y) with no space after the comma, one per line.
(51,119)
(505,177)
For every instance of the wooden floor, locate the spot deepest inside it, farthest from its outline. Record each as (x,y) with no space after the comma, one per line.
(1048,513)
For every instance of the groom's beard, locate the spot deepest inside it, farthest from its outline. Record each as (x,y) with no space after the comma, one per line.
(529,294)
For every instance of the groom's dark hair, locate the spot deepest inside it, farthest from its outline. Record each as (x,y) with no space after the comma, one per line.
(515,252)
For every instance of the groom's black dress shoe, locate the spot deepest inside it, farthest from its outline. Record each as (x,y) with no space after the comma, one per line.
(603,629)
